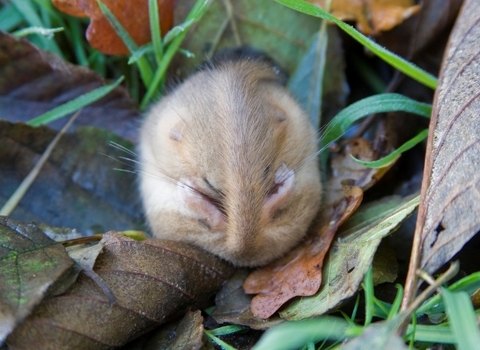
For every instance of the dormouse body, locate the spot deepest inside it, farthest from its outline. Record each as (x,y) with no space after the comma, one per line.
(225,163)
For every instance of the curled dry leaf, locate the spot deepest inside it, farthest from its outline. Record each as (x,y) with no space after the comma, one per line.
(132,14)
(351,255)
(152,281)
(30,263)
(232,305)
(372,16)
(448,214)
(33,82)
(299,273)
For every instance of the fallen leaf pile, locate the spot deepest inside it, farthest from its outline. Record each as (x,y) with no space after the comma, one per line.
(114,292)
(152,281)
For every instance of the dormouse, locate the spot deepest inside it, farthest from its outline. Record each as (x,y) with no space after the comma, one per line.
(226,162)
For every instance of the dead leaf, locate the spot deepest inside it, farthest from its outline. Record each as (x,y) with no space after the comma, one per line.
(448,214)
(351,255)
(186,333)
(152,281)
(344,168)
(30,263)
(33,82)
(132,14)
(427,30)
(299,273)
(372,16)
(79,180)
(232,305)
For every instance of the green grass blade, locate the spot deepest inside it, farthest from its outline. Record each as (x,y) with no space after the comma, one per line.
(46,32)
(468,284)
(370,105)
(73,105)
(399,63)
(396,303)
(10,18)
(155,30)
(195,14)
(431,334)
(218,341)
(176,31)
(225,330)
(144,67)
(27,9)
(369,296)
(295,334)
(382,162)
(462,319)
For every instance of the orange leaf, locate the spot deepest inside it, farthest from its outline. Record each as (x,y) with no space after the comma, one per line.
(372,16)
(132,14)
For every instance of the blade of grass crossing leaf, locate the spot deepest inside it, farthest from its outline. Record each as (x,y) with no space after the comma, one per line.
(396,303)
(73,105)
(175,31)
(218,341)
(19,193)
(399,63)
(144,67)
(294,334)
(46,32)
(76,37)
(155,30)
(468,284)
(28,10)
(370,105)
(9,18)
(195,14)
(431,334)
(385,161)
(369,296)
(225,330)
(462,319)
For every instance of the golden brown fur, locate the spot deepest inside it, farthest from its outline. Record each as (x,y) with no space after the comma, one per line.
(228,133)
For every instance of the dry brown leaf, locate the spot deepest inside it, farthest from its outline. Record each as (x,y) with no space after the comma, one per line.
(372,16)
(450,204)
(232,305)
(132,14)
(30,264)
(33,82)
(186,333)
(152,281)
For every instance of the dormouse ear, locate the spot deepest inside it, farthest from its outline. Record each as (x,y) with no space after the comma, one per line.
(246,53)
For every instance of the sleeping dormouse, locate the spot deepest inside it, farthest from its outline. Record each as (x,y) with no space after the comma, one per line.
(227,162)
